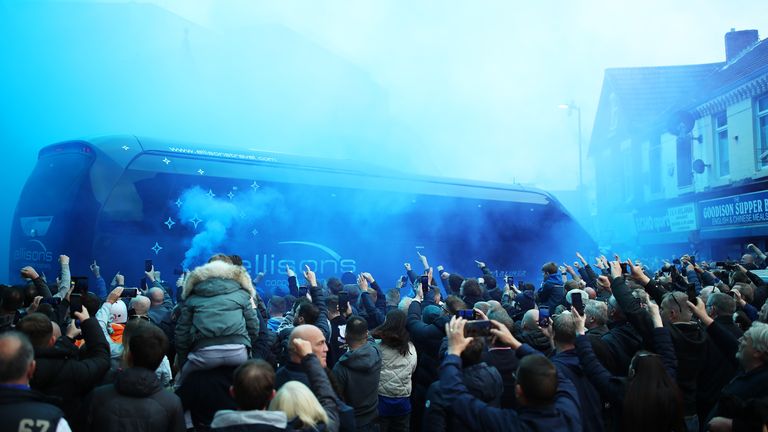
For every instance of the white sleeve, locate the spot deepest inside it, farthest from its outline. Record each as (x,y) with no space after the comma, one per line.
(63,426)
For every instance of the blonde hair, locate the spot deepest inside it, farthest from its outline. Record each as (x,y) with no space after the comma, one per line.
(296,400)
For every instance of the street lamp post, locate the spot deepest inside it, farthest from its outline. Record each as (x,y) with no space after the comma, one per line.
(571,107)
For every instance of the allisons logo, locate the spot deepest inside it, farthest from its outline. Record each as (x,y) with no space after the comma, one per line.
(34,254)
(272,264)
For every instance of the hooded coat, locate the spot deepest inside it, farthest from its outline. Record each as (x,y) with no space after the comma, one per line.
(217,309)
(482,381)
(357,373)
(135,402)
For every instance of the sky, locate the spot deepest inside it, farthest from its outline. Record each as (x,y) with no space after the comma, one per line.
(456,89)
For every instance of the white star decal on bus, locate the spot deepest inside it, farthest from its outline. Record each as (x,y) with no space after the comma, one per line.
(200,171)
(210,193)
(195,220)
(254,186)
(230,195)
(178,202)
(166,161)
(255,231)
(126,148)
(157,248)
(170,222)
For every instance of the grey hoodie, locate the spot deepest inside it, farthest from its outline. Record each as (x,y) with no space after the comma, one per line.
(357,373)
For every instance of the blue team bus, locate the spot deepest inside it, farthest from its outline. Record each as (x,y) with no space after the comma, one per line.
(122,200)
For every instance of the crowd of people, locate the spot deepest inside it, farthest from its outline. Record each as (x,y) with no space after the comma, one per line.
(611,346)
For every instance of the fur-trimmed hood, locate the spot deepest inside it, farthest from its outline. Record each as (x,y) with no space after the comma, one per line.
(218,270)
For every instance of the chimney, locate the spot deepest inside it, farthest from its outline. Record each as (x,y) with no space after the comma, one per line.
(738,41)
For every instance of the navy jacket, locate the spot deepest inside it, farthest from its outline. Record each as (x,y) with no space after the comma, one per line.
(567,363)
(562,416)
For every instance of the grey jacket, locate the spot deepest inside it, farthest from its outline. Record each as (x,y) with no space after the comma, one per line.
(357,373)
(396,371)
(216,309)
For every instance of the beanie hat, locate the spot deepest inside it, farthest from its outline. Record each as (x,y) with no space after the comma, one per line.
(430,314)
(119,312)
(525,301)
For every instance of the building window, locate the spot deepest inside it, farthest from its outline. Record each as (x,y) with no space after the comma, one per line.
(721,140)
(684,161)
(762,124)
(654,165)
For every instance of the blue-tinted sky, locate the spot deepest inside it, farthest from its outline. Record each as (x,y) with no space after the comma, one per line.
(460,89)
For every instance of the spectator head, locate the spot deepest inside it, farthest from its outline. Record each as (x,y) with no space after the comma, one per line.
(674,308)
(615,314)
(296,400)
(719,304)
(473,353)
(530,320)
(92,303)
(483,306)
(17,358)
(316,339)
(705,293)
(156,296)
(548,269)
(454,283)
(147,347)
(470,287)
(276,306)
(747,259)
(571,285)
(430,314)
(503,317)
(641,298)
(595,314)
(393,297)
(119,312)
(494,305)
(591,292)
(746,290)
(253,385)
(334,285)
(490,282)
(332,301)
(405,303)
(140,305)
(38,328)
(13,299)
(739,276)
(564,331)
(652,400)
(307,313)
(356,333)
(762,316)
(536,382)
(393,332)
(220,257)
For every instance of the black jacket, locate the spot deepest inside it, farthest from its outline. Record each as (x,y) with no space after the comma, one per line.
(206,391)
(482,381)
(567,363)
(17,405)
(538,340)
(67,373)
(505,360)
(135,402)
(426,338)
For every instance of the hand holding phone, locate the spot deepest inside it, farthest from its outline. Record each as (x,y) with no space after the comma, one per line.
(130,292)
(692,293)
(478,328)
(578,303)
(467,314)
(544,316)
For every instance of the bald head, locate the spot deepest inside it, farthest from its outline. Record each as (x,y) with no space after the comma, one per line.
(156,296)
(17,358)
(314,336)
(140,305)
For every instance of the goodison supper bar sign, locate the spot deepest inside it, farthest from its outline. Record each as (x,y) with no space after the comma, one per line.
(746,209)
